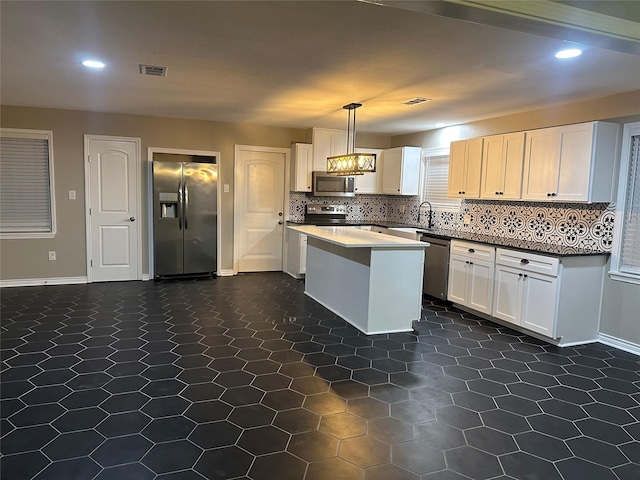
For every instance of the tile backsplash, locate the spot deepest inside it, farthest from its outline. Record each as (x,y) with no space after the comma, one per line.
(587,226)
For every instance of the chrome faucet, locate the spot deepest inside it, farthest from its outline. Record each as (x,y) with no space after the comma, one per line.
(429,225)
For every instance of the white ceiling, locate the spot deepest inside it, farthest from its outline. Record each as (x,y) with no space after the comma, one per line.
(295,63)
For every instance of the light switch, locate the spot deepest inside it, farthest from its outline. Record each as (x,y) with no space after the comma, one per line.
(226,188)
(72,194)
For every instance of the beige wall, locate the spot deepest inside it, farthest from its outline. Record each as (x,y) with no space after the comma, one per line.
(620,108)
(27,259)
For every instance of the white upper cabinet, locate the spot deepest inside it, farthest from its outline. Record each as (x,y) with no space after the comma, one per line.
(502,160)
(327,143)
(370,182)
(571,163)
(301,167)
(401,171)
(465,166)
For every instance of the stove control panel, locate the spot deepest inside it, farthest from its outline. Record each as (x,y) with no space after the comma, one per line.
(318,209)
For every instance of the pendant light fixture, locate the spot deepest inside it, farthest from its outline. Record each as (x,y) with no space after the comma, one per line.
(352,163)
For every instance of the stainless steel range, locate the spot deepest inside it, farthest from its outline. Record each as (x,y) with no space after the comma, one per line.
(317,214)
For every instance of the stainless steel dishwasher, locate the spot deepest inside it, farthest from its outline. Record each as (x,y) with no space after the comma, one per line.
(436,267)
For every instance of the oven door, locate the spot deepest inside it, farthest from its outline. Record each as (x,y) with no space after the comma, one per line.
(328,185)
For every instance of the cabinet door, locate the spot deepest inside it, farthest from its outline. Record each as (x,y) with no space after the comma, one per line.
(321,149)
(339,142)
(539,303)
(575,162)
(302,163)
(392,171)
(457,286)
(370,182)
(473,168)
(540,176)
(513,161)
(507,294)
(492,167)
(456,169)
(480,280)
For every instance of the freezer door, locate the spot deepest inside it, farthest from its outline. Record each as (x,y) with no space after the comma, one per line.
(200,217)
(167,218)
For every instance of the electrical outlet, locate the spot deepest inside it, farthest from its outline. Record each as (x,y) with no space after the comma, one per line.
(466,219)
(52,255)
(226,188)
(402,208)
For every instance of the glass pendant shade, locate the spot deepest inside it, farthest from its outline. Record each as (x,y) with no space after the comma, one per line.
(352,163)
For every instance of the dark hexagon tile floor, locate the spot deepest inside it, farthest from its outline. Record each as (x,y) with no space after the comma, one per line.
(247,378)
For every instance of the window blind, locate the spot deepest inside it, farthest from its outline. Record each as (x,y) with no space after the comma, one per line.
(435,182)
(25,182)
(630,241)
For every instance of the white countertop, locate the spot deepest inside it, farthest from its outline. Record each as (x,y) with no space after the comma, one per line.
(352,237)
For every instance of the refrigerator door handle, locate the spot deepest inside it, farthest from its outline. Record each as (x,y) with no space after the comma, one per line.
(185,205)
(180,207)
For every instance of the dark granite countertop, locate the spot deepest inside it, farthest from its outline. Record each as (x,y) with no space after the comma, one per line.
(512,243)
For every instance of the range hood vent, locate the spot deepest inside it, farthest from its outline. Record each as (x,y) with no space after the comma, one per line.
(153,70)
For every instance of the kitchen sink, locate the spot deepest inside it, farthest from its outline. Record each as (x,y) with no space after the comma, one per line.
(405,232)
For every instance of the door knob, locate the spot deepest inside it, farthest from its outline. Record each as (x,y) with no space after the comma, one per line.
(132,219)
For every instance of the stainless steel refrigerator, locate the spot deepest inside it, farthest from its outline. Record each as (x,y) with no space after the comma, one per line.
(184,215)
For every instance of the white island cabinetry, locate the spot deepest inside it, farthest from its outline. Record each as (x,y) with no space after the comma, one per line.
(372,281)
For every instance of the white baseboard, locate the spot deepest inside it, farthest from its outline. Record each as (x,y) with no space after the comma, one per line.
(145,277)
(619,343)
(226,273)
(32,282)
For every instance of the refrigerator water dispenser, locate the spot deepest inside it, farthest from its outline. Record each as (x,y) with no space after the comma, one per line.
(168,205)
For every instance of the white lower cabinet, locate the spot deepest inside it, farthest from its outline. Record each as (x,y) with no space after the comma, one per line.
(525,298)
(296,254)
(471,268)
(557,297)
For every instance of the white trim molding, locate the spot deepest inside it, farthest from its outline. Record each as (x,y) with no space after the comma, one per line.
(227,272)
(33,282)
(619,343)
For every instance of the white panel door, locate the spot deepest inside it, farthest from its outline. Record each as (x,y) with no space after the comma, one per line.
(259,210)
(114,230)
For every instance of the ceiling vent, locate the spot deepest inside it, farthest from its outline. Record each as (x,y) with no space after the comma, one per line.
(417,101)
(153,70)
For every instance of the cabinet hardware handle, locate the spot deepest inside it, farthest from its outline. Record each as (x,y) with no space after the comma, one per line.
(525,275)
(470,263)
(524,261)
(548,194)
(519,274)
(554,194)
(471,250)
(497,193)
(280,222)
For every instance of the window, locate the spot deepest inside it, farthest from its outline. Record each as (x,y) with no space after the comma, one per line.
(625,257)
(26,184)
(435,179)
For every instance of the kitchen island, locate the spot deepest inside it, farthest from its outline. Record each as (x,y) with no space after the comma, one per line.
(372,280)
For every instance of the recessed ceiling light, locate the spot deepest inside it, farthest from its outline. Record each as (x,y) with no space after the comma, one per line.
(439,124)
(569,53)
(93,64)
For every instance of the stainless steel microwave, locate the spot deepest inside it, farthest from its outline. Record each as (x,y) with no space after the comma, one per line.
(332,185)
